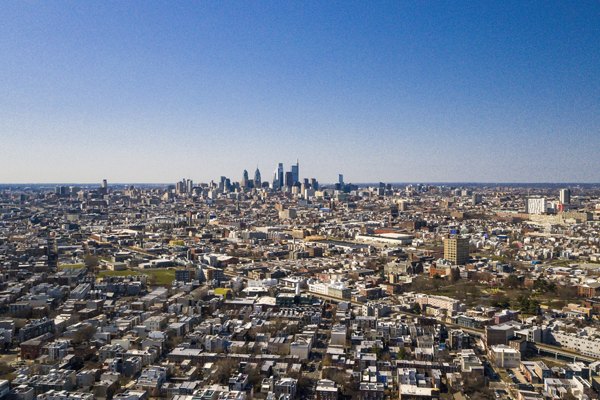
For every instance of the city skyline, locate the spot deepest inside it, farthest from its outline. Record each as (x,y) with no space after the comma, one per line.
(394,92)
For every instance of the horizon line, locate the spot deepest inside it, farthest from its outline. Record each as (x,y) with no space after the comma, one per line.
(328,183)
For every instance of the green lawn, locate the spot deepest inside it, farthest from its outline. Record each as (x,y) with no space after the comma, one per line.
(159,276)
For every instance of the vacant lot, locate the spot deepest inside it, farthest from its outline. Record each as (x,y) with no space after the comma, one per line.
(158,277)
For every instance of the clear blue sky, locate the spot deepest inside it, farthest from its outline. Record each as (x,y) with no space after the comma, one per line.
(143,91)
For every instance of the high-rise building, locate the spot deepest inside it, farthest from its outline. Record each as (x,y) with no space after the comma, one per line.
(565,196)
(257,179)
(289,179)
(296,172)
(456,250)
(245,180)
(536,205)
(61,190)
(280,175)
(181,187)
(314,184)
(103,187)
(341,179)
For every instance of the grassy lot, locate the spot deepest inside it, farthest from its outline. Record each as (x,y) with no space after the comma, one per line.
(469,292)
(474,293)
(159,276)
(71,266)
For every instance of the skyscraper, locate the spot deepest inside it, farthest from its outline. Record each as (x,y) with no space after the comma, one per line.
(296,173)
(280,175)
(245,179)
(257,179)
(104,187)
(289,179)
(314,184)
(565,196)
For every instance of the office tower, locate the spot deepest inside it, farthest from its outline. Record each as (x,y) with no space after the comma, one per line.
(181,187)
(341,179)
(565,196)
(61,190)
(314,184)
(257,179)
(477,198)
(536,205)
(280,175)
(456,250)
(296,173)
(103,187)
(189,185)
(289,179)
(275,184)
(245,180)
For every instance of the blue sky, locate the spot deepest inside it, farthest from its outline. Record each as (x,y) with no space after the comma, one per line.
(147,91)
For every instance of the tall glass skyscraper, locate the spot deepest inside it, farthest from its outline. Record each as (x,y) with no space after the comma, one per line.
(296,173)
(280,174)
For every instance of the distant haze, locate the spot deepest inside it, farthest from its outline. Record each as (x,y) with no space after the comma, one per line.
(379,91)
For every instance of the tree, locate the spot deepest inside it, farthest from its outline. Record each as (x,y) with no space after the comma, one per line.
(454,274)
(527,305)
(254,378)
(512,282)
(304,385)
(402,353)
(91,261)
(416,308)
(85,334)
(224,369)
(376,350)
(543,286)
(500,300)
